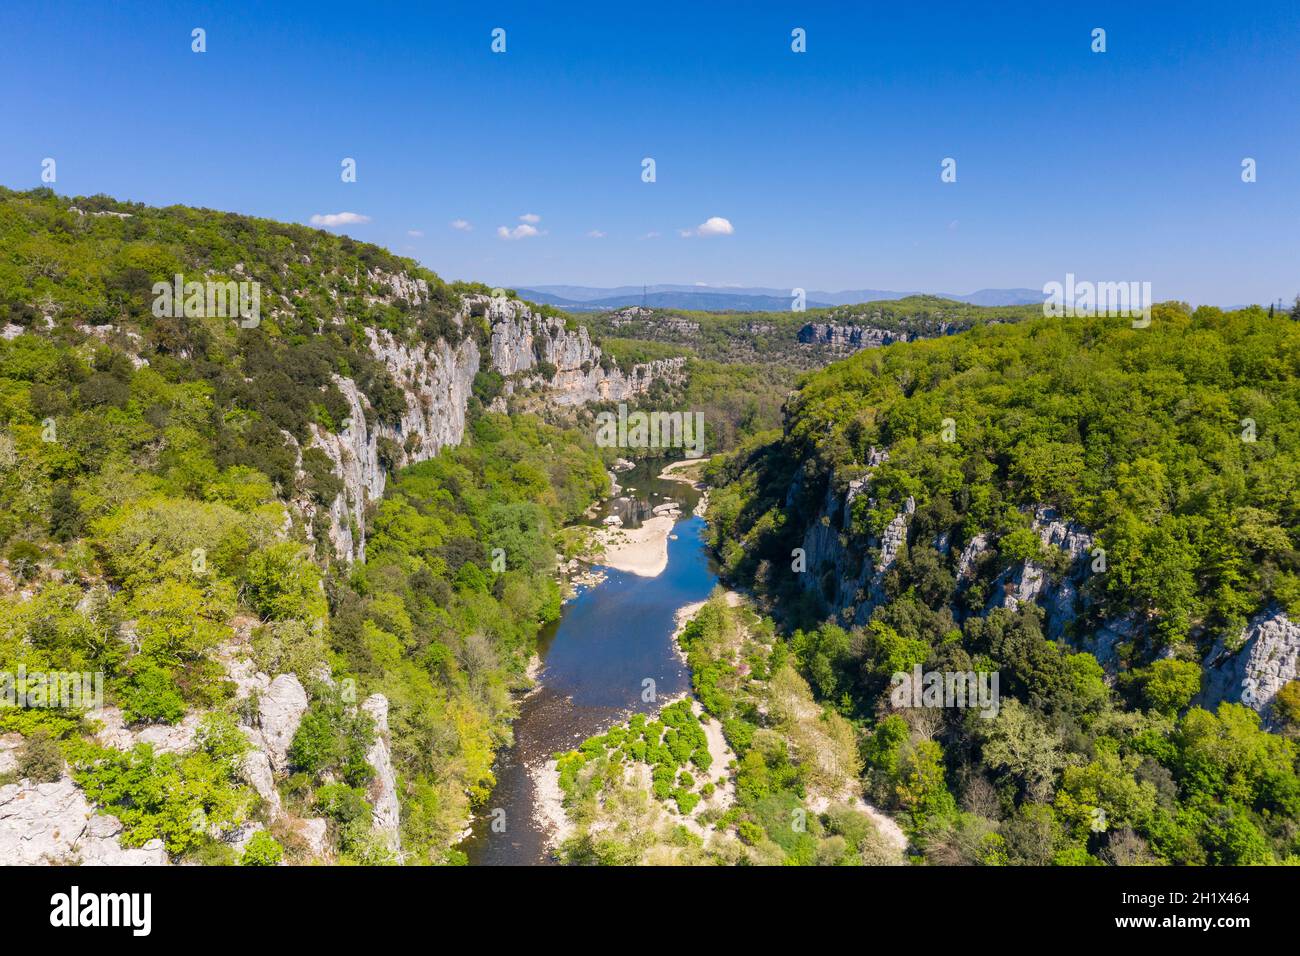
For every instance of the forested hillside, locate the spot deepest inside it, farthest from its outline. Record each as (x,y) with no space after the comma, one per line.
(741,366)
(166,499)
(1108,518)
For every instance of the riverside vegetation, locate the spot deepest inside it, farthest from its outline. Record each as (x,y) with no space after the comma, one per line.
(1173,452)
(168,503)
(148,475)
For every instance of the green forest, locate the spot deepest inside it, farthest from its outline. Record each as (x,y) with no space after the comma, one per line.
(144,526)
(1174,445)
(165,506)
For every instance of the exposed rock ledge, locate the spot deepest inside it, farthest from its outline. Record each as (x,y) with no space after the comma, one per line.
(437,381)
(522,340)
(54,823)
(1252,675)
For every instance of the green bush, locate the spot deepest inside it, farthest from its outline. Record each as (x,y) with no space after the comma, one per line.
(39,758)
(262,850)
(151,696)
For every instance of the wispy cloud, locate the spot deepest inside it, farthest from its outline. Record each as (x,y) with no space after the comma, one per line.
(713,226)
(530,217)
(595,234)
(331,219)
(461,225)
(415,233)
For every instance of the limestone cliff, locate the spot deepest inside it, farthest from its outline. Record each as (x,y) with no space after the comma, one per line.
(851,577)
(849,571)
(437,381)
(1266,659)
(851,337)
(523,340)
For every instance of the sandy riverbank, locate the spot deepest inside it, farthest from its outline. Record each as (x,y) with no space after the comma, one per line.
(642,551)
(687,470)
(548,803)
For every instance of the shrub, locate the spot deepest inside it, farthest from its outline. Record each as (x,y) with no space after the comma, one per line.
(152,696)
(40,759)
(342,803)
(262,850)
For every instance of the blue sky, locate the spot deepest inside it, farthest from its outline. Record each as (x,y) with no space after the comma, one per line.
(1117,166)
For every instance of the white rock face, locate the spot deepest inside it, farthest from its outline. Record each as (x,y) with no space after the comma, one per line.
(49,823)
(1028,582)
(257,771)
(238,838)
(966,560)
(164,738)
(891,545)
(280,711)
(852,337)
(858,582)
(522,339)
(386,812)
(437,381)
(315,832)
(1104,643)
(247,678)
(1254,674)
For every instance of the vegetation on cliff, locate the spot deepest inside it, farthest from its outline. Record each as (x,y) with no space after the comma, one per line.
(1175,446)
(147,522)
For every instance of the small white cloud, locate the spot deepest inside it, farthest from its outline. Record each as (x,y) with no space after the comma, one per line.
(461,225)
(714,226)
(332,219)
(531,217)
(595,234)
(651,235)
(523,231)
(415,233)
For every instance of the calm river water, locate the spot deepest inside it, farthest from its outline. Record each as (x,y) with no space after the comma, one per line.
(608,640)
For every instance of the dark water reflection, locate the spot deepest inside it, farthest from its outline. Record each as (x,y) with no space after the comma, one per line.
(608,641)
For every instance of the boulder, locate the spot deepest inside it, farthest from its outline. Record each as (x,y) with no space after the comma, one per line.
(280,711)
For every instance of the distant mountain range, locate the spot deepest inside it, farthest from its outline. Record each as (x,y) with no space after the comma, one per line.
(577,298)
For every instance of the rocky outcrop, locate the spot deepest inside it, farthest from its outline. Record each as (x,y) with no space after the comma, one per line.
(846,338)
(1028,582)
(280,712)
(523,340)
(851,576)
(163,738)
(314,832)
(892,543)
(257,771)
(1266,660)
(667,325)
(54,823)
(437,381)
(848,576)
(386,811)
(969,555)
(1106,642)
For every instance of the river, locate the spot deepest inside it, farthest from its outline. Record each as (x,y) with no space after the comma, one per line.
(595,660)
